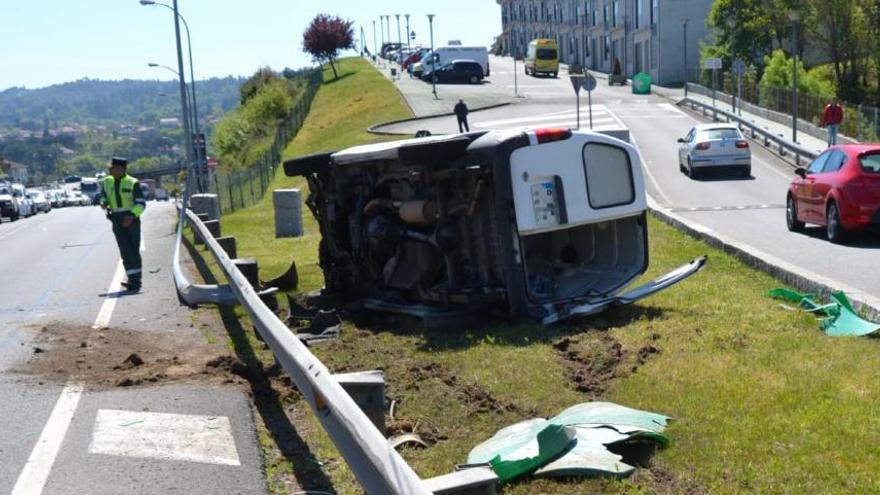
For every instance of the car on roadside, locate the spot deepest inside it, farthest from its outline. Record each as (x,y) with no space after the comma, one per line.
(839,190)
(464,71)
(715,147)
(544,224)
(39,202)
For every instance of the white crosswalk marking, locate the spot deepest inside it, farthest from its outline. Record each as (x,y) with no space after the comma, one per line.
(602,119)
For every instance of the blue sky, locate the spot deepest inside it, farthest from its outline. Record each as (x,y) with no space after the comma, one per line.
(47,42)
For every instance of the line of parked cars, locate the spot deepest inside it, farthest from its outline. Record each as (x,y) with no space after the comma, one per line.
(446,64)
(17,201)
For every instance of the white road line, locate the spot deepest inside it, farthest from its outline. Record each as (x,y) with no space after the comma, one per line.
(19,229)
(103,319)
(672,108)
(648,171)
(539,118)
(36,471)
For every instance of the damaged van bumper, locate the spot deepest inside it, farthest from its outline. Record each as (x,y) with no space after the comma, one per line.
(559,312)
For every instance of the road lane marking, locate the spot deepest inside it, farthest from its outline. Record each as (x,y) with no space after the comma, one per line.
(103,319)
(672,108)
(648,170)
(38,466)
(19,229)
(164,436)
(685,209)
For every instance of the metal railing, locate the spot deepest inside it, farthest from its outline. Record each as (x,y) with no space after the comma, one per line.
(241,188)
(755,131)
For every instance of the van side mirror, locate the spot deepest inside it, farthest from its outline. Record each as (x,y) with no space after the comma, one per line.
(681,140)
(801,172)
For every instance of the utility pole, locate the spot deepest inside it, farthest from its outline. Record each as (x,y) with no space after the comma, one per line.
(433,57)
(795,19)
(684,49)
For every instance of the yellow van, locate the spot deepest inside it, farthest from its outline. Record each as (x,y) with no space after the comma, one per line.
(542,57)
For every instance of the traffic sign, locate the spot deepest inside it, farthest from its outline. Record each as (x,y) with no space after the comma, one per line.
(577,80)
(739,67)
(589,82)
(712,63)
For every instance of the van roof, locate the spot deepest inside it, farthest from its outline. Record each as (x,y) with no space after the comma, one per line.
(544,41)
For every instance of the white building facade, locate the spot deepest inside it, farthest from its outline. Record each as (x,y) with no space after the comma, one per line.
(643,35)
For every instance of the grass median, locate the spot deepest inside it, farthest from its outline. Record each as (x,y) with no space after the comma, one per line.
(763,401)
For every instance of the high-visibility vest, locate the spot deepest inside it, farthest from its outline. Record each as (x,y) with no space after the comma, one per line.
(127,187)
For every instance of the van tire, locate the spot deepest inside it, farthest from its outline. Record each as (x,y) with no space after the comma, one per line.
(555,74)
(474,79)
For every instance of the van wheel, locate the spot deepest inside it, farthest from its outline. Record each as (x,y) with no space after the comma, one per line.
(555,74)
(14,215)
(474,80)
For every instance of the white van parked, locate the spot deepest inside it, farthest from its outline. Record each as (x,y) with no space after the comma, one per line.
(445,54)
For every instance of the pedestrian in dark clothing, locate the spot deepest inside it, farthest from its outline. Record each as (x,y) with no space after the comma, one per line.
(123,200)
(832,117)
(461,111)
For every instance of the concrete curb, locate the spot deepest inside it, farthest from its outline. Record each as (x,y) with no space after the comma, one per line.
(374,129)
(789,274)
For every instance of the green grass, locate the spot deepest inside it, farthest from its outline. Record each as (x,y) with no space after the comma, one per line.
(763,401)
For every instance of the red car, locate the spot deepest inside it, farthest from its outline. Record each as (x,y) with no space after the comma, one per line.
(839,190)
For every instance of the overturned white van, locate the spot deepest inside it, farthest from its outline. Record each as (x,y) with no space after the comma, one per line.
(544,224)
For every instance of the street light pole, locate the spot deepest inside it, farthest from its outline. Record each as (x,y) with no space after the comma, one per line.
(388,26)
(684,49)
(398,29)
(375,50)
(407,31)
(795,18)
(433,56)
(183,104)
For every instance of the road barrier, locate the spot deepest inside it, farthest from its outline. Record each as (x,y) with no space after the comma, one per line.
(783,145)
(375,463)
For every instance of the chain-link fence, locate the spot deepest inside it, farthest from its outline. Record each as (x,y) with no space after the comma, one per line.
(242,188)
(860,122)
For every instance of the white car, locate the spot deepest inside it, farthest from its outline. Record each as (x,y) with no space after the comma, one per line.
(39,201)
(714,146)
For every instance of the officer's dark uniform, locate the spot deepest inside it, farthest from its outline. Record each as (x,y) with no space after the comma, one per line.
(461,111)
(123,198)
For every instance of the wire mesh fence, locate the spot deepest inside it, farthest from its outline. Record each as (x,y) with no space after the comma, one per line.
(861,122)
(244,187)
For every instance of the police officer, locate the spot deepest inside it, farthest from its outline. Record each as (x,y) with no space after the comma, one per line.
(123,200)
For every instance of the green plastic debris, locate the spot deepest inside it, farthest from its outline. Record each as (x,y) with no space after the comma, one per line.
(838,317)
(641,84)
(591,428)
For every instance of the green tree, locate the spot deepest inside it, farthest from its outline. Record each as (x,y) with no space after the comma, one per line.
(744,28)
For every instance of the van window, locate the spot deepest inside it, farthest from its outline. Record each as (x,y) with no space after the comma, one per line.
(609,176)
(546,54)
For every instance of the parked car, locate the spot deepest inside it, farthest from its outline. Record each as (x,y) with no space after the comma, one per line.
(543,224)
(447,54)
(716,147)
(8,204)
(839,190)
(458,71)
(39,201)
(56,196)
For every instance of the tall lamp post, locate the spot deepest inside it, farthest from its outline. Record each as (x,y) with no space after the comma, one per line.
(684,51)
(375,49)
(408,36)
(433,56)
(199,160)
(398,29)
(388,27)
(169,69)
(795,20)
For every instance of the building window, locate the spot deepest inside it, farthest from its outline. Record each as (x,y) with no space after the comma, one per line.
(638,13)
(586,47)
(606,45)
(655,11)
(605,15)
(616,14)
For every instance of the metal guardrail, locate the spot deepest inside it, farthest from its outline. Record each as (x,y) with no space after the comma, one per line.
(377,466)
(195,294)
(783,145)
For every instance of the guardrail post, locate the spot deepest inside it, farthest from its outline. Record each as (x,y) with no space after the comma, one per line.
(288,212)
(249,268)
(213,227)
(197,237)
(474,481)
(367,389)
(205,203)
(228,245)
(781,147)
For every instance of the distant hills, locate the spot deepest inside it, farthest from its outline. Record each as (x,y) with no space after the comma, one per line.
(96,102)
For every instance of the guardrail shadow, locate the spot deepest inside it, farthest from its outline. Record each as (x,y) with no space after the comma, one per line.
(267,400)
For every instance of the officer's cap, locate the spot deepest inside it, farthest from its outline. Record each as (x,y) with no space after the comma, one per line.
(122,162)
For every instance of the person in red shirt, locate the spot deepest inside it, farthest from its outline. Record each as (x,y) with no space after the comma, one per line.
(832,116)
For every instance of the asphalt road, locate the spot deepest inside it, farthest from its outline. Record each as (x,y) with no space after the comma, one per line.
(750,211)
(64,427)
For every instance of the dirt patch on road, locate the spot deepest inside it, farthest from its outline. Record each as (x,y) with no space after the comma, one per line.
(118,358)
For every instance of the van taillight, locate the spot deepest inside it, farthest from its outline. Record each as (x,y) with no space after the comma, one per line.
(702,146)
(742,144)
(552,134)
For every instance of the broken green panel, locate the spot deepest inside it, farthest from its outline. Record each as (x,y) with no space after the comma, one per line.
(589,456)
(507,440)
(550,442)
(840,318)
(607,413)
